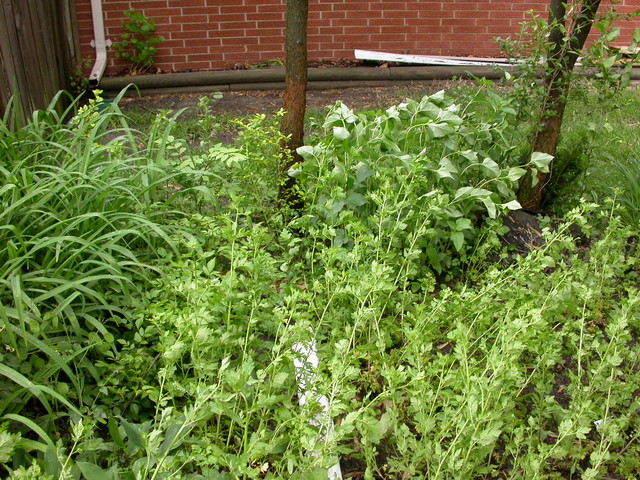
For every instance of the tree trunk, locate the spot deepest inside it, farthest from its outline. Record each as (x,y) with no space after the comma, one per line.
(295,99)
(560,62)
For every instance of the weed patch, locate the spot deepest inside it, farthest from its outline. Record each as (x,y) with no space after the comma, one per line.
(153,304)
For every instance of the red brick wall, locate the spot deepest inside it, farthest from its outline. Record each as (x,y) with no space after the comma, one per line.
(218,34)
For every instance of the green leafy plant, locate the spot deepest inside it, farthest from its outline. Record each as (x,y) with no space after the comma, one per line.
(78,80)
(421,175)
(84,207)
(555,55)
(142,342)
(611,65)
(628,194)
(138,44)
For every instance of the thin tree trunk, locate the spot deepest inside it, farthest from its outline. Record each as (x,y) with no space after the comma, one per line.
(562,58)
(295,98)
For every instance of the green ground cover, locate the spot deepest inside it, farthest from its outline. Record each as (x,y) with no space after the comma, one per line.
(153,297)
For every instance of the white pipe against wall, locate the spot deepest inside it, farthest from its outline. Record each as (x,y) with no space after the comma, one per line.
(99,43)
(306,366)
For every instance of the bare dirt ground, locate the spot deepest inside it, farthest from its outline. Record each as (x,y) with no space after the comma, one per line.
(270,101)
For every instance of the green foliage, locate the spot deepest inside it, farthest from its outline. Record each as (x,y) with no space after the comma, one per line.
(629,192)
(83,208)
(541,50)
(420,177)
(78,80)
(608,65)
(138,44)
(599,139)
(612,66)
(247,171)
(141,342)
(526,50)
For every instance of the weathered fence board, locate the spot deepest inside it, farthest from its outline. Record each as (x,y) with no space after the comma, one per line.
(38,51)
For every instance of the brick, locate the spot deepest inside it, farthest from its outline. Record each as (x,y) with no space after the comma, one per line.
(237,25)
(426,6)
(320,55)
(477,14)
(203,12)
(352,6)
(497,6)
(333,45)
(170,43)
(259,17)
(332,15)
(264,32)
(403,14)
(159,13)
(213,7)
(364,14)
(388,22)
(395,47)
(162,52)
(273,9)
(191,3)
(117,6)
(350,39)
(199,58)
(240,41)
(426,44)
(188,19)
(149,6)
(467,6)
(83,6)
(424,22)
(331,30)
(229,18)
(196,27)
(190,50)
(506,14)
(272,47)
(350,23)
(319,7)
(390,37)
(271,24)
(274,43)
(231,10)
(460,23)
(201,42)
(187,35)
(191,65)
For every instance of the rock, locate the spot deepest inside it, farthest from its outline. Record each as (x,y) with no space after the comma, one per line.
(524,232)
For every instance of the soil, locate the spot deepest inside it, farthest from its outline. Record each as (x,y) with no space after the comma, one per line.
(270,101)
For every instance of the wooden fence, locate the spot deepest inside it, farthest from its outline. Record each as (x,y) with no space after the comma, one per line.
(39,50)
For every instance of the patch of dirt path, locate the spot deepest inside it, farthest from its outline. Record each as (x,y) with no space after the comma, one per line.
(270,101)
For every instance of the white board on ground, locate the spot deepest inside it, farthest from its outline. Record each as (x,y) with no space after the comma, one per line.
(427,59)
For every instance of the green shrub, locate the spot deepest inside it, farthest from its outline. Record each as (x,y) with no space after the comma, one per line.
(420,177)
(138,44)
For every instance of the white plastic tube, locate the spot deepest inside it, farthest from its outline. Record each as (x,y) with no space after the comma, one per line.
(99,43)
(306,366)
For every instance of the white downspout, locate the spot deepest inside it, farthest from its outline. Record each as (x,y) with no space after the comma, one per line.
(306,366)
(99,43)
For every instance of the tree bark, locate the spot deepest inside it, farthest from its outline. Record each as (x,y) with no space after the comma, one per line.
(560,62)
(295,99)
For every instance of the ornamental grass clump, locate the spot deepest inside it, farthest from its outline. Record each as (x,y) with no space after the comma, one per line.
(80,218)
